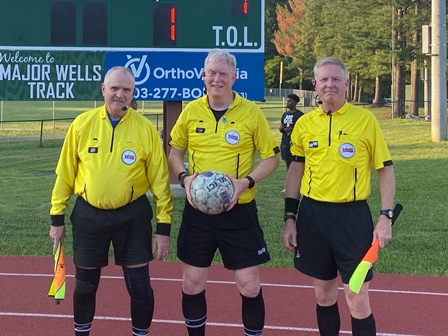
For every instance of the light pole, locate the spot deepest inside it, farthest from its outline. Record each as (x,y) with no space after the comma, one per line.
(301,78)
(393,60)
(438,70)
(281,77)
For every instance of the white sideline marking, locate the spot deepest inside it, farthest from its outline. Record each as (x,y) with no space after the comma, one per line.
(233,283)
(215,324)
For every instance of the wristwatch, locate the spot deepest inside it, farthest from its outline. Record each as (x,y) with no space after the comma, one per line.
(181,177)
(388,213)
(251,181)
(288,216)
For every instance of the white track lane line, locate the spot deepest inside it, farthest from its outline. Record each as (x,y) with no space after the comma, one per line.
(229,325)
(233,283)
(214,324)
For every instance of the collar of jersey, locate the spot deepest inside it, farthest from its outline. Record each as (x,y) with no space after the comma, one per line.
(235,101)
(342,110)
(104,113)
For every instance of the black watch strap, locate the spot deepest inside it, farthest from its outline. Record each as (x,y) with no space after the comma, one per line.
(181,177)
(251,181)
(388,213)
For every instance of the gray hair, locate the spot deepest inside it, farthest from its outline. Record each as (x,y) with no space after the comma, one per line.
(330,60)
(221,55)
(121,69)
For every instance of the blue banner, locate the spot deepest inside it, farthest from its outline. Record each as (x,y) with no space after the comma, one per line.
(174,76)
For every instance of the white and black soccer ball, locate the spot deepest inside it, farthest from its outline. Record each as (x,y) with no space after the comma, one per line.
(211,192)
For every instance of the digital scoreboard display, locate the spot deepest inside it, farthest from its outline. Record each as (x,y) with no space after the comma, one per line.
(60,49)
(141,24)
(214,24)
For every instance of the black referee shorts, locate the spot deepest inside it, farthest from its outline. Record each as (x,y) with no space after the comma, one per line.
(332,238)
(127,228)
(236,233)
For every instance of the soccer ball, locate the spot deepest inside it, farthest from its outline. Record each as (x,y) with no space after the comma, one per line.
(211,192)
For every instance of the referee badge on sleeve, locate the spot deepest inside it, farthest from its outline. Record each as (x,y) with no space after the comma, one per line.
(313,144)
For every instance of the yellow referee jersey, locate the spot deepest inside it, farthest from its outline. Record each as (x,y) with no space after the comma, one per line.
(111,167)
(227,145)
(339,150)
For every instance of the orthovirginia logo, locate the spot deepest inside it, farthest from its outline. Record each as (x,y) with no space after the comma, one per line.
(137,71)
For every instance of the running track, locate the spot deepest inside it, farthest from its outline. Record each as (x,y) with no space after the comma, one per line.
(403,305)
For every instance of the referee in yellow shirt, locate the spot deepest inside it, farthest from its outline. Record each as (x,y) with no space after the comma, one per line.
(335,147)
(111,157)
(222,131)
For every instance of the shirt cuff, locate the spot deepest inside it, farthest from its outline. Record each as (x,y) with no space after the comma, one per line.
(163,229)
(57,220)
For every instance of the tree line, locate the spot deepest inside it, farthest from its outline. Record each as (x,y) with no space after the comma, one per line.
(374,38)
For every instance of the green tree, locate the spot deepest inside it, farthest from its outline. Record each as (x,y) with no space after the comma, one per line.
(271,25)
(272,73)
(409,16)
(355,31)
(359,32)
(296,74)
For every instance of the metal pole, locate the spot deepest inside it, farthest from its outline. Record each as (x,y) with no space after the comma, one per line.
(427,91)
(393,61)
(54,122)
(438,70)
(1,113)
(41,133)
(281,78)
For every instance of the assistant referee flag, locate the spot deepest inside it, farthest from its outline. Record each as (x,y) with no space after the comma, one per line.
(57,287)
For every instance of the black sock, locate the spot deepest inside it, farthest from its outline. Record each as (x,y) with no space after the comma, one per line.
(142,298)
(328,320)
(253,313)
(364,327)
(194,308)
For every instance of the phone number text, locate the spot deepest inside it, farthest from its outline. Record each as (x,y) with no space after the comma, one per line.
(172,93)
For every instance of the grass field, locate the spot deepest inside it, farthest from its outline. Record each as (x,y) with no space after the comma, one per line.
(419,245)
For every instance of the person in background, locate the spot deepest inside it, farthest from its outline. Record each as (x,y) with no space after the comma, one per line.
(222,122)
(134,104)
(287,122)
(335,147)
(110,158)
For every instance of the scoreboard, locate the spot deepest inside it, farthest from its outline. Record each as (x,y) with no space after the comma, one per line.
(117,24)
(61,49)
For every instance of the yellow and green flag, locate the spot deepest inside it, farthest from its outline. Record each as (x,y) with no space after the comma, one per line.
(57,287)
(359,275)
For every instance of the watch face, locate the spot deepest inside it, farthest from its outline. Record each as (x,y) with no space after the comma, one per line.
(388,213)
